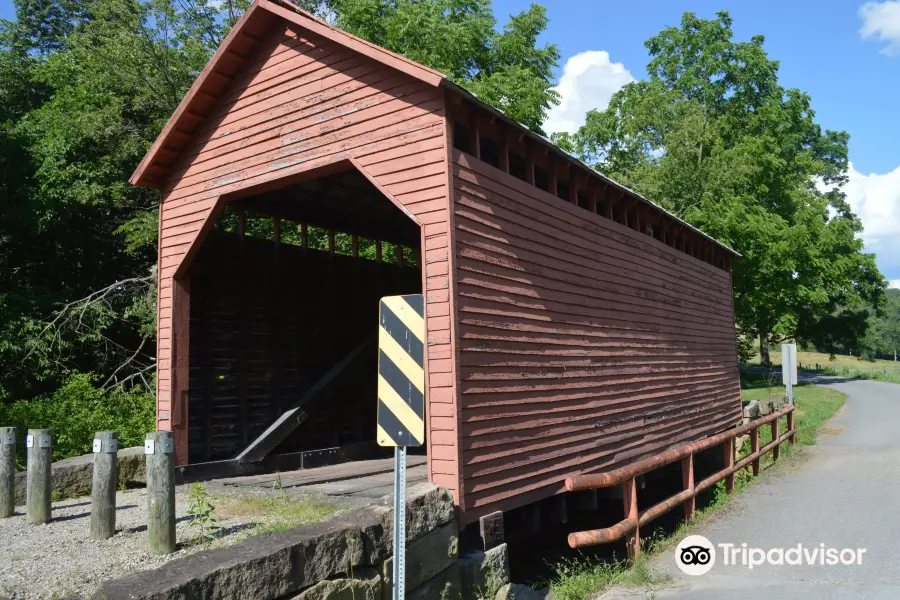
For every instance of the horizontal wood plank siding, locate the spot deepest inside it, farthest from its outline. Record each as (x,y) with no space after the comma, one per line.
(302,102)
(583,345)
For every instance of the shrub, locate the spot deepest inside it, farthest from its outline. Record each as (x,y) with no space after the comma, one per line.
(77,410)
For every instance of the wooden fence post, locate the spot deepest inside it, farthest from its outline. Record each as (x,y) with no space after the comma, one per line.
(7,472)
(159,447)
(687,480)
(103,491)
(633,539)
(39,488)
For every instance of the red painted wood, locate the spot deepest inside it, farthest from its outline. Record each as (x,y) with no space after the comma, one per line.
(583,344)
(299,101)
(558,340)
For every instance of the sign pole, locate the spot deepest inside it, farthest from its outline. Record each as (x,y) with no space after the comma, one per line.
(401,404)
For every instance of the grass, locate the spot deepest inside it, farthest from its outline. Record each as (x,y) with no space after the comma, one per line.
(277,513)
(841,365)
(582,578)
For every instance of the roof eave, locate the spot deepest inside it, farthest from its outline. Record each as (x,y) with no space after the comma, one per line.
(544,141)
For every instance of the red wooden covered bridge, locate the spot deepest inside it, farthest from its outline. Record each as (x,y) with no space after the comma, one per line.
(572,326)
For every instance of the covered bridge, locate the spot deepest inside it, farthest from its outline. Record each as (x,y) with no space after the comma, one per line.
(572,326)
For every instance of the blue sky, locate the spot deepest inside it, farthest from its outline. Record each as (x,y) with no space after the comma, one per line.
(845,54)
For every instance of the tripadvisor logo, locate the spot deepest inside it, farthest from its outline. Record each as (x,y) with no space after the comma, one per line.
(695,555)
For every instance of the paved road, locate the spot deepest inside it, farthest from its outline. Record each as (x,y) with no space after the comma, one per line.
(845,493)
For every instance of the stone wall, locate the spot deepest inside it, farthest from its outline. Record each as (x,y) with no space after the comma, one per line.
(347,557)
(72,477)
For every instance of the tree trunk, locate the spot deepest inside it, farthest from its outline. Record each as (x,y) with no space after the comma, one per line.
(764,357)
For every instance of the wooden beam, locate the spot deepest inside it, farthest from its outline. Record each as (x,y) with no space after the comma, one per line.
(529,164)
(378,251)
(552,185)
(474,135)
(355,242)
(504,148)
(586,500)
(278,431)
(180,354)
(304,236)
(491,530)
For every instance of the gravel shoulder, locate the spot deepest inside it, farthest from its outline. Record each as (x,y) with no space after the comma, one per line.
(58,560)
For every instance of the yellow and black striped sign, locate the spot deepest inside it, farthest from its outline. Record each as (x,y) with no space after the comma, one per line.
(401,372)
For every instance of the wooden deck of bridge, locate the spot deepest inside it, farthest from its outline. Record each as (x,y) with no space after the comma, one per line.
(360,480)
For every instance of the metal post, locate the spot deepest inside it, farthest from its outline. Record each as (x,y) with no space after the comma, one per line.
(159,447)
(754,448)
(38,485)
(728,449)
(776,451)
(629,499)
(399,571)
(790,426)
(103,490)
(687,481)
(7,471)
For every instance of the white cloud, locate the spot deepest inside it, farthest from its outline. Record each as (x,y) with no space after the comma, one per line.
(588,81)
(875,198)
(882,20)
(894,283)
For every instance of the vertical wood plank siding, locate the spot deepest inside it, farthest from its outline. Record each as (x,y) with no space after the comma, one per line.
(299,103)
(583,344)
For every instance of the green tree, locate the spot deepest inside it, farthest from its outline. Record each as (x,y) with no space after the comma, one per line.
(712,136)
(459,38)
(85,87)
(884,331)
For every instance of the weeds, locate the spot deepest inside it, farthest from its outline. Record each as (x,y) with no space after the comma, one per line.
(581,577)
(201,508)
(281,512)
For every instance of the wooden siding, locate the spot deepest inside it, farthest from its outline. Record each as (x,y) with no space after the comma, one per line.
(583,344)
(301,102)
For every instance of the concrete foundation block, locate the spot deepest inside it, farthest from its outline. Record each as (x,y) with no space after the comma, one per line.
(425,557)
(73,477)
(517,591)
(366,584)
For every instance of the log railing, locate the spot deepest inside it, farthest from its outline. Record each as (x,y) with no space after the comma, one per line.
(626,476)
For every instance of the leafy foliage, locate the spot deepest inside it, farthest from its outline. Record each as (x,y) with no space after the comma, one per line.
(200,508)
(883,339)
(85,88)
(712,136)
(459,38)
(79,409)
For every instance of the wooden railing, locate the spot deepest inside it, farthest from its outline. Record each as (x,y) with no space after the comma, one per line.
(626,477)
